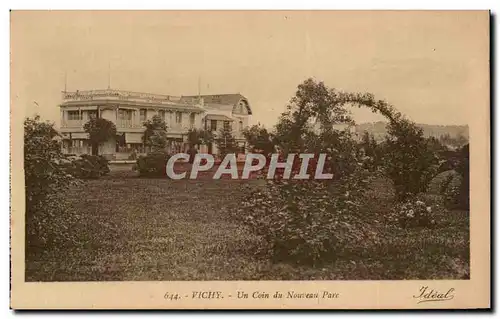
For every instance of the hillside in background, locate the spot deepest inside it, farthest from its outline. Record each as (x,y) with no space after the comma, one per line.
(378,130)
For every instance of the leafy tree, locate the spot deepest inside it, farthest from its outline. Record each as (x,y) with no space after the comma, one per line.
(371,150)
(409,160)
(226,141)
(46,182)
(100,130)
(155,134)
(313,104)
(199,137)
(461,140)
(463,170)
(457,142)
(368,143)
(259,139)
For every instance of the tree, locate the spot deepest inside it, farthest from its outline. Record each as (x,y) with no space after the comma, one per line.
(457,142)
(371,150)
(463,170)
(199,137)
(226,141)
(314,104)
(409,160)
(100,130)
(46,182)
(259,139)
(461,141)
(368,144)
(155,134)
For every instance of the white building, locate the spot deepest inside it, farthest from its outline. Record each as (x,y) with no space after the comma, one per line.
(128,110)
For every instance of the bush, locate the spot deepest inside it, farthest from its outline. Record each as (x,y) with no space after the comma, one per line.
(153,164)
(48,218)
(306,221)
(443,181)
(88,167)
(414,213)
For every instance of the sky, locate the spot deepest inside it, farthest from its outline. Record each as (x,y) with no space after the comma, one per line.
(430,65)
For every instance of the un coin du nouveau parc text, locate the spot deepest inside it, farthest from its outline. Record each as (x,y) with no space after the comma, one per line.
(254,295)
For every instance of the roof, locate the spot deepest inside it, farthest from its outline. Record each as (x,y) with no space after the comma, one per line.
(227,99)
(218,117)
(231,99)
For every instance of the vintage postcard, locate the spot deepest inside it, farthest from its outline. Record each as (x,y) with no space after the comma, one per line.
(250,159)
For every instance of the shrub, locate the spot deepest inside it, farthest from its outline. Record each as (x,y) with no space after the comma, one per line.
(48,218)
(153,164)
(88,166)
(413,213)
(306,221)
(442,181)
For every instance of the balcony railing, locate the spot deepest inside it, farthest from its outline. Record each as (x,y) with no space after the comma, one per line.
(124,123)
(124,95)
(77,150)
(72,123)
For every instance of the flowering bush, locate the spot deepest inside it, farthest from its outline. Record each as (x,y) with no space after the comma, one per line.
(310,221)
(302,221)
(413,213)
(451,195)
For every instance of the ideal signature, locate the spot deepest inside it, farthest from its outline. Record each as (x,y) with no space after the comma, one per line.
(427,295)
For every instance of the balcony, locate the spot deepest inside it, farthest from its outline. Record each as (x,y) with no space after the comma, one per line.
(124,123)
(72,123)
(111,94)
(128,124)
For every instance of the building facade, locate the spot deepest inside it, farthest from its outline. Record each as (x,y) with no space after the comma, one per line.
(129,110)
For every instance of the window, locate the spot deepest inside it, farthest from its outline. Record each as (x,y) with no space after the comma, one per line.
(74,115)
(240,126)
(78,143)
(92,114)
(227,125)
(191,119)
(125,114)
(142,115)
(178,117)
(213,125)
(216,99)
(161,113)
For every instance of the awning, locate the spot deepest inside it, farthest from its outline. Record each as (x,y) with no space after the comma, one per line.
(76,136)
(218,117)
(90,107)
(133,138)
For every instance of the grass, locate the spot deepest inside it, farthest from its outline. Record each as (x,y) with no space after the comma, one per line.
(158,229)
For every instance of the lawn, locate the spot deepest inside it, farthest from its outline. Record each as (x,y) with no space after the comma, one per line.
(159,229)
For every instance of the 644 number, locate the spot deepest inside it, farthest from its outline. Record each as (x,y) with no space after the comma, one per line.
(171,296)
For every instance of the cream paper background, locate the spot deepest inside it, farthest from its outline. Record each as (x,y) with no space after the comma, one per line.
(471,293)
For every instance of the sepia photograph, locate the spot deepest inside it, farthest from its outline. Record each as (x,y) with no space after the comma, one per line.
(231,152)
